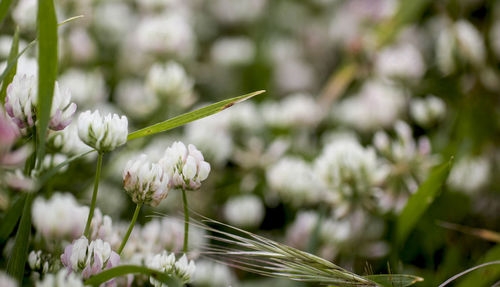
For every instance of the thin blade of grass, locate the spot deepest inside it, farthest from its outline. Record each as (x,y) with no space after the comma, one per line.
(10,219)
(17,259)
(4,8)
(421,200)
(190,116)
(14,49)
(394,280)
(487,275)
(47,68)
(122,270)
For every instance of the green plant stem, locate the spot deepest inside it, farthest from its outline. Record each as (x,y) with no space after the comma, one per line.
(94,195)
(186,220)
(131,226)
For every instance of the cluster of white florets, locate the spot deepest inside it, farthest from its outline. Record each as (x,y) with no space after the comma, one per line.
(182,268)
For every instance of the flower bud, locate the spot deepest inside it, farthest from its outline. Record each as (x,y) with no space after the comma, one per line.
(145,182)
(184,269)
(103,134)
(186,166)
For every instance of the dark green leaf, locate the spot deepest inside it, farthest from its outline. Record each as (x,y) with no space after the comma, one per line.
(47,68)
(420,201)
(12,59)
(394,280)
(191,116)
(487,275)
(4,8)
(121,270)
(11,218)
(17,259)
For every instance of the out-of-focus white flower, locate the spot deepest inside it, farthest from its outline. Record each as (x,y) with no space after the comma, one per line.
(87,88)
(17,180)
(135,100)
(212,274)
(184,269)
(186,166)
(7,281)
(24,14)
(400,61)
(112,20)
(294,75)
(171,82)
(89,259)
(167,33)
(103,134)
(470,174)
(145,182)
(68,141)
(60,279)
(81,45)
(59,217)
(233,51)
(233,11)
(52,160)
(21,100)
(428,110)
(294,180)
(163,262)
(298,234)
(377,105)
(297,110)
(244,211)
(6,45)
(37,262)
(348,169)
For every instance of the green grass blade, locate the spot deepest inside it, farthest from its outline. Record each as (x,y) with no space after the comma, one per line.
(9,221)
(17,259)
(420,201)
(394,280)
(4,8)
(121,270)
(13,63)
(47,68)
(14,49)
(487,275)
(191,116)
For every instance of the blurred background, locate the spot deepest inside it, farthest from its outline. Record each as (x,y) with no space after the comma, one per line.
(363,98)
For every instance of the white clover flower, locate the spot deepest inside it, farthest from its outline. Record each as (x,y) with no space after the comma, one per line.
(348,169)
(60,279)
(299,232)
(244,211)
(52,160)
(428,110)
(163,262)
(296,110)
(470,174)
(236,11)
(378,104)
(21,100)
(67,141)
(400,61)
(135,99)
(89,258)
(24,14)
(171,82)
(184,269)
(186,166)
(37,262)
(87,88)
(7,281)
(145,182)
(112,20)
(233,51)
(295,181)
(213,274)
(59,217)
(103,134)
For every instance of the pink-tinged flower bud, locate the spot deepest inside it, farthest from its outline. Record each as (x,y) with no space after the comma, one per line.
(145,182)
(186,166)
(103,134)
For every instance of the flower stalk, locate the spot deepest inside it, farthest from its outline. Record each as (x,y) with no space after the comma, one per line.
(186,220)
(94,194)
(130,228)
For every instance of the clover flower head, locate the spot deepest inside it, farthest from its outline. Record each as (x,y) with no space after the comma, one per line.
(184,269)
(22,97)
(145,182)
(60,279)
(163,262)
(89,258)
(186,166)
(102,133)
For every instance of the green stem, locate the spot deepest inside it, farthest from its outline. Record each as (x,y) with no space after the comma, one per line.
(186,220)
(131,226)
(94,195)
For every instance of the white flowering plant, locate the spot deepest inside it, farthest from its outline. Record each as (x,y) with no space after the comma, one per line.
(370,161)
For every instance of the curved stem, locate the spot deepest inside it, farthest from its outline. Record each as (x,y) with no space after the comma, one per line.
(186,220)
(130,228)
(94,195)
